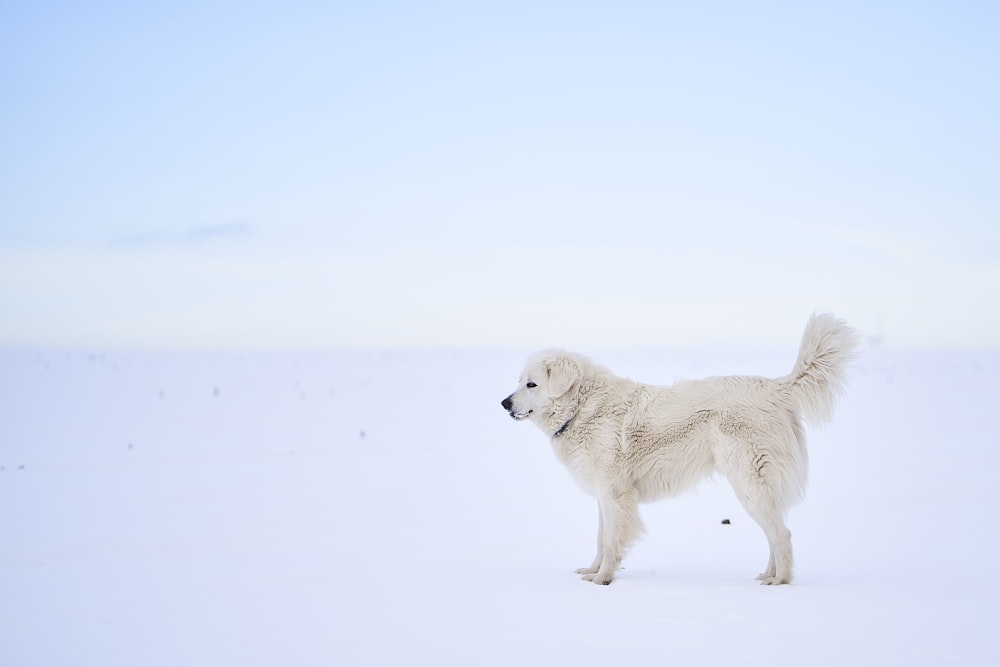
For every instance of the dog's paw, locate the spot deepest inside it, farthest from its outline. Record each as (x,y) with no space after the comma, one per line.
(774,581)
(598,578)
(587,570)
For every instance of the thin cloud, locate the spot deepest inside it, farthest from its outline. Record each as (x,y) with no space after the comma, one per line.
(193,236)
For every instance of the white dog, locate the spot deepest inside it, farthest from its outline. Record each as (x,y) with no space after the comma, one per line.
(627,442)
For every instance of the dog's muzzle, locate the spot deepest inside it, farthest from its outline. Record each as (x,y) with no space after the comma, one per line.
(508,405)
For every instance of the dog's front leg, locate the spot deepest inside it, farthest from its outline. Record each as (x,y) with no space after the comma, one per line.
(596,565)
(621,525)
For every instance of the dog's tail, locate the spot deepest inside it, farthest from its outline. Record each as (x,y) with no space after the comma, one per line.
(828,347)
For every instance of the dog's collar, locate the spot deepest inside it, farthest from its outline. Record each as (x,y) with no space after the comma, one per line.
(562,429)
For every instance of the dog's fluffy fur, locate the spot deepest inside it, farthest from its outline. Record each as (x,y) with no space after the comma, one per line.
(627,442)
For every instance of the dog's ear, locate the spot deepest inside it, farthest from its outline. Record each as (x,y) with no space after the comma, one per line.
(563,371)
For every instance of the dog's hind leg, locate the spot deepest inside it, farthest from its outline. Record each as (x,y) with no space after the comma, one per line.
(596,565)
(769,570)
(779,539)
(621,526)
(766,481)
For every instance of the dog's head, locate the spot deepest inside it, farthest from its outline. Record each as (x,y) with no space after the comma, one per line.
(547,376)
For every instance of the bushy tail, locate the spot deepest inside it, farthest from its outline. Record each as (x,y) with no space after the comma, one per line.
(828,346)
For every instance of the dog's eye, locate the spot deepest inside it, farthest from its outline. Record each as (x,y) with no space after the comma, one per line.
(531,385)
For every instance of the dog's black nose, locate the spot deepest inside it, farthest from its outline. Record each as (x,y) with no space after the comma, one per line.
(506,403)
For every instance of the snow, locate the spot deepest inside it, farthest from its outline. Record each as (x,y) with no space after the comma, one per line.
(380,508)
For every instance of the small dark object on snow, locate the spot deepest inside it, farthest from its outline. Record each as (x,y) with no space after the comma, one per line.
(362,435)
(725,522)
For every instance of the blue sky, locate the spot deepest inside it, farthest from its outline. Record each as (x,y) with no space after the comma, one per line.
(575,174)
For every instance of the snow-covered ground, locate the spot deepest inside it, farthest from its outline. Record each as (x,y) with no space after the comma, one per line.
(380,508)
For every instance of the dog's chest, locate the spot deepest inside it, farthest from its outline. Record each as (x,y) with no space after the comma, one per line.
(578,459)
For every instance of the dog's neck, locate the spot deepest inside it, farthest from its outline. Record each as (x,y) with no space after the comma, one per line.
(559,421)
